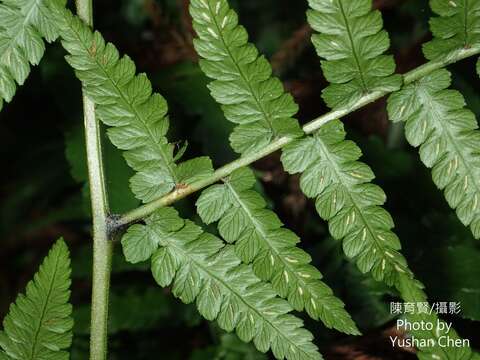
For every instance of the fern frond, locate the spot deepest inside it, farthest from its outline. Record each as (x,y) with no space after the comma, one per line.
(23,26)
(217,28)
(412,291)
(351,40)
(124,101)
(260,238)
(39,324)
(344,197)
(244,85)
(456,27)
(446,132)
(202,268)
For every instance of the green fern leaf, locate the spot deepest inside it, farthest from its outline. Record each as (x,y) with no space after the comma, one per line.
(39,324)
(412,291)
(124,101)
(249,95)
(202,268)
(457,27)
(345,198)
(260,239)
(351,40)
(23,26)
(446,132)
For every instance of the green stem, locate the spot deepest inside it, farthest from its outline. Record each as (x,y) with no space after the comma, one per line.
(102,246)
(309,128)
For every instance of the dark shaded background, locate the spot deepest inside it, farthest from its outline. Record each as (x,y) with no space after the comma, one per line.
(43,193)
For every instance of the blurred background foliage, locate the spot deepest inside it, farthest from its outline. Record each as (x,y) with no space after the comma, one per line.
(44,194)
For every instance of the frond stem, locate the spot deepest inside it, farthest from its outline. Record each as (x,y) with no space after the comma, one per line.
(309,128)
(102,246)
